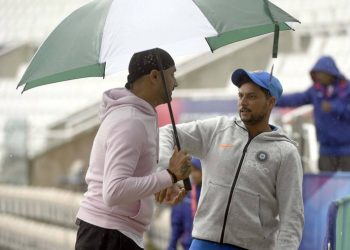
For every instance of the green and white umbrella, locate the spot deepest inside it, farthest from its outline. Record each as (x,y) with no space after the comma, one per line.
(99,38)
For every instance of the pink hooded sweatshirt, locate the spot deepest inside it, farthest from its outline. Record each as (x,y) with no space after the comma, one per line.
(121,177)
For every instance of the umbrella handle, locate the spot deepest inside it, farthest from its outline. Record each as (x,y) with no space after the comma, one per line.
(187,182)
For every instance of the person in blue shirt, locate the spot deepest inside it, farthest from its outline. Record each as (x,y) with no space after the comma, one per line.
(182,214)
(330,97)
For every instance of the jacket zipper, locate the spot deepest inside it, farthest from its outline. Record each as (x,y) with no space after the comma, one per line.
(231,191)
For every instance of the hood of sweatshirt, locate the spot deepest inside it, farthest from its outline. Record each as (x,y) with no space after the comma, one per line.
(327,65)
(120,97)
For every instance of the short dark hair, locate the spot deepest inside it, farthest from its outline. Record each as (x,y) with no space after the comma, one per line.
(142,63)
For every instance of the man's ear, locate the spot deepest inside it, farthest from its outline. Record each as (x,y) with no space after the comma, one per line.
(273,101)
(154,75)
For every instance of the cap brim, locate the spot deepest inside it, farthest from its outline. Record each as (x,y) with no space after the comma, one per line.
(237,75)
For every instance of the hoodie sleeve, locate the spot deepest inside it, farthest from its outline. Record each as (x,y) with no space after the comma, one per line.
(124,147)
(295,100)
(290,201)
(194,137)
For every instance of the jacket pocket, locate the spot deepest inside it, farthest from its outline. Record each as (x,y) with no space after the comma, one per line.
(145,212)
(211,211)
(244,215)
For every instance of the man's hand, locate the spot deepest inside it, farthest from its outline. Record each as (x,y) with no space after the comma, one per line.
(326,106)
(171,195)
(180,164)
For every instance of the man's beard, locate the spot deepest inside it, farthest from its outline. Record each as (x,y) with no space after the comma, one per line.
(165,97)
(253,119)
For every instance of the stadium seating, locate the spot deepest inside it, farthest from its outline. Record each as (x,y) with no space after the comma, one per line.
(33,218)
(22,234)
(55,206)
(32,20)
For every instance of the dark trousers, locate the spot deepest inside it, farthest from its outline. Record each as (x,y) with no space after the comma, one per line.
(334,163)
(91,237)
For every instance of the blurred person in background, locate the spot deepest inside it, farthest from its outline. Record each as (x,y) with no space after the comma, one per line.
(251,195)
(182,214)
(118,205)
(330,97)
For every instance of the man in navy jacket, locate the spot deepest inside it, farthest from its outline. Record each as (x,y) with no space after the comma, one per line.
(330,96)
(183,213)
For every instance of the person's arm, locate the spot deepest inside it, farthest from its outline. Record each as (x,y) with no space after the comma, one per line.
(295,100)
(124,146)
(290,201)
(194,137)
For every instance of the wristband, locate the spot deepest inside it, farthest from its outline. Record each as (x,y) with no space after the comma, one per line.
(173,176)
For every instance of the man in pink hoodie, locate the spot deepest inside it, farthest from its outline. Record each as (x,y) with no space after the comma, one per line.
(118,205)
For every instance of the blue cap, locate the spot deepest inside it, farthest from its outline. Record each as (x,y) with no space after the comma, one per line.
(196,163)
(261,78)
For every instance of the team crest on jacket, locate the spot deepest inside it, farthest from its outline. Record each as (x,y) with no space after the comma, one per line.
(262,156)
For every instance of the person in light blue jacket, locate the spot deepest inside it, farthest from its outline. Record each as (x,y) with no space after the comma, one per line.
(330,97)
(251,195)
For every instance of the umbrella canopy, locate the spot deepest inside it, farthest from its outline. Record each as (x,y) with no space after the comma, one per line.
(99,38)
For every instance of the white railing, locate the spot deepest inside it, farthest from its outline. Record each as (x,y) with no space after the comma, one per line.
(299,125)
(48,205)
(20,234)
(34,218)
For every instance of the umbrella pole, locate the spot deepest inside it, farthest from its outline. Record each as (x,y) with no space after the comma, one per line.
(187,183)
(276,31)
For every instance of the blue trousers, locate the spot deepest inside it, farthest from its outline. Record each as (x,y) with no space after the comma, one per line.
(198,244)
